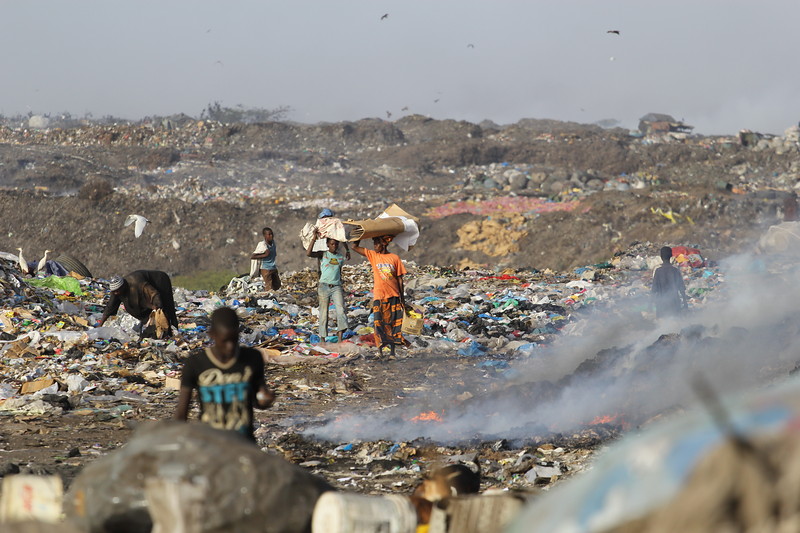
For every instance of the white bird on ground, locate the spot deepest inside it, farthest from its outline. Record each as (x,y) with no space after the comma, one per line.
(140,221)
(23,265)
(42,262)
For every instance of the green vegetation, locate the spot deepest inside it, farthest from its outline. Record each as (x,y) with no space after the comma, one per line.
(209,280)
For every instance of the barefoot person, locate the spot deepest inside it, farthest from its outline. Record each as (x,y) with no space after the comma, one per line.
(229,379)
(330,285)
(266,253)
(388,307)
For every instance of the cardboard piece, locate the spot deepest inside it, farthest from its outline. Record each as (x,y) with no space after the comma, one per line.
(172,383)
(395,210)
(367,229)
(412,325)
(27,497)
(36,385)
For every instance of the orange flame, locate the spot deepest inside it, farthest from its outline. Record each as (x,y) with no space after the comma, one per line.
(430,416)
(607,419)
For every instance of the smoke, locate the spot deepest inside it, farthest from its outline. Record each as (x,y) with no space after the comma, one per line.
(614,362)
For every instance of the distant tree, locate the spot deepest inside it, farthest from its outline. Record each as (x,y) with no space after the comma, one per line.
(239,113)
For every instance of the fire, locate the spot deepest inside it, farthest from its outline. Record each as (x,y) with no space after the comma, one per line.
(617,420)
(607,419)
(429,416)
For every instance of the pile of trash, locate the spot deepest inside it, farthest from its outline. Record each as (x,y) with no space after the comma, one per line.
(55,366)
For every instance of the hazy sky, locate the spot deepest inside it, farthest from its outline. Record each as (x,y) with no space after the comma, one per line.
(722,65)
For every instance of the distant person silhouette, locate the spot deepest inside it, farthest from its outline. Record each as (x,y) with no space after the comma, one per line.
(669,291)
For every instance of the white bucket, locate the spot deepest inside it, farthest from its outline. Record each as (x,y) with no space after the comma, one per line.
(475,514)
(342,512)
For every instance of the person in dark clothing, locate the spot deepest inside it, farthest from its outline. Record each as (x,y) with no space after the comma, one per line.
(229,379)
(142,292)
(669,291)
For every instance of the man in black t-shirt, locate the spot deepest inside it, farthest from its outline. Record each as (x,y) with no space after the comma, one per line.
(228,377)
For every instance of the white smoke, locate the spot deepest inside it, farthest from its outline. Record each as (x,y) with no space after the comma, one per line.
(614,362)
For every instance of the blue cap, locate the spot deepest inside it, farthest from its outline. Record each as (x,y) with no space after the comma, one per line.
(325,213)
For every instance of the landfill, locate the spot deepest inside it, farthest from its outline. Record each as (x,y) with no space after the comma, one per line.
(60,374)
(533,347)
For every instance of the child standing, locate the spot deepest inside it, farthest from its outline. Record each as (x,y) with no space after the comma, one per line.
(388,307)
(330,285)
(266,252)
(229,379)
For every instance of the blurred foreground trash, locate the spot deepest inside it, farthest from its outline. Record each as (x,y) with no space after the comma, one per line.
(241,488)
(684,474)
(27,498)
(338,512)
(475,514)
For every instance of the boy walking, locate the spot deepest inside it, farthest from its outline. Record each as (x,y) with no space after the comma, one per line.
(330,285)
(266,252)
(388,307)
(229,379)
(669,291)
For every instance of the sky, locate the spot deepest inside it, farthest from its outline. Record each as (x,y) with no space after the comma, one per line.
(721,65)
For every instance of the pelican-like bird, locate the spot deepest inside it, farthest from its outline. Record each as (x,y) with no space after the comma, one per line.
(140,222)
(42,262)
(23,265)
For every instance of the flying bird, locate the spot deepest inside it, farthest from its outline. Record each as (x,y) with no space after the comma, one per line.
(436,101)
(388,114)
(470,45)
(615,32)
(220,63)
(404,109)
(23,265)
(385,16)
(42,262)
(140,222)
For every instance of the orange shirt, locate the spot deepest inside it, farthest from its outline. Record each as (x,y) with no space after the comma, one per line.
(386,268)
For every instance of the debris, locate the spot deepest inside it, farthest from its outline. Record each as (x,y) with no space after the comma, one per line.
(242,488)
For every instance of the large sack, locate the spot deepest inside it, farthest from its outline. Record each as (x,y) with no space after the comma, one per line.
(242,489)
(781,238)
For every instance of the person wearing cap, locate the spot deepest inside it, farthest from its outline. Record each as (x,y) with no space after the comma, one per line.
(321,244)
(389,304)
(141,292)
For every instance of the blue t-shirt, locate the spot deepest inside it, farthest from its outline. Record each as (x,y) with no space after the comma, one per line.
(268,263)
(331,268)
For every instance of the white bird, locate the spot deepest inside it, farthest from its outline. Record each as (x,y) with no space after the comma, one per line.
(140,221)
(42,262)
(23,265)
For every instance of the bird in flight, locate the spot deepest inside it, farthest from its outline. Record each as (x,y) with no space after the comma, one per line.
(436,101)
(615,32)
(388,114)
(220,63)
(470,45)
(139,221)
(404,109)
(385,16)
